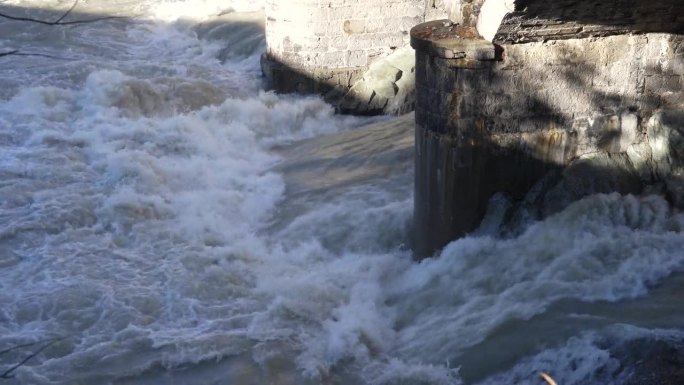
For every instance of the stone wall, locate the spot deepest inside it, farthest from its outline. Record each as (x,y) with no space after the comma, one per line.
(545,122)
(539,20)
(313,45)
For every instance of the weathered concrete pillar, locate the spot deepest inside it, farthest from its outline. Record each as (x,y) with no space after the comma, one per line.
(450,62)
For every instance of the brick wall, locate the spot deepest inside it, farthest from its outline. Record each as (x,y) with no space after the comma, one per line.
(333,41)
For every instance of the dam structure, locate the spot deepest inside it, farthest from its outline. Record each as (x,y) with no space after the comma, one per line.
(570,99)
(541,102)
(165,220)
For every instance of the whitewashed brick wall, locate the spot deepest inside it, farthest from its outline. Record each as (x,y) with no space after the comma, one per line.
(336,34)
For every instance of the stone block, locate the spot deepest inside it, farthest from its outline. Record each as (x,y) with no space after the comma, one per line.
(390,39)
(422,96)
(444,78)
(471,80)
(371,11)
(377,103)
(360,93)
(666,139)
(385,88)
(404,100)
(382,70)
(495,105)
(641,158)
(629,130)
(339,43)
(677,65)
(342,12)
(408,22)
(362,41)
(403,58)
(354,26)
(665,83)
(672,100)
(357,58)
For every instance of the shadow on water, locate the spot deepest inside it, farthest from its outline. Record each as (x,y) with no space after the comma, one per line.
(355,168)
(241,33)
(373,154)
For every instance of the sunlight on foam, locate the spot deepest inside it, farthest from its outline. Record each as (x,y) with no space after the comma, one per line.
(198,10)
(148,190)
(605,247)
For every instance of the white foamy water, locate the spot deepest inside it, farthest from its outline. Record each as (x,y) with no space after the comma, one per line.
(160,217)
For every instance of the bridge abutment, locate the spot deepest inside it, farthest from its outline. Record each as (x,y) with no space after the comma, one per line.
(543,115)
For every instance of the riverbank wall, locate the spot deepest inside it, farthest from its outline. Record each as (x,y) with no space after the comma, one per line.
(541,102)
(568,100)
(329,47)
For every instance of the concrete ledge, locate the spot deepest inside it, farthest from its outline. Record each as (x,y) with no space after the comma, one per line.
(446,40)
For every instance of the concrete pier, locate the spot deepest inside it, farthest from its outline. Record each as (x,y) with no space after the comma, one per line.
(541,106)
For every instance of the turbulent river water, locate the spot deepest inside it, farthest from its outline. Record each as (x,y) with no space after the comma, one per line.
(165,221)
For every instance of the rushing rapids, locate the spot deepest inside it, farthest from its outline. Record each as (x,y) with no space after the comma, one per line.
(164,220)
